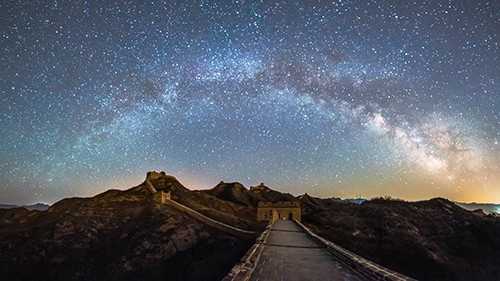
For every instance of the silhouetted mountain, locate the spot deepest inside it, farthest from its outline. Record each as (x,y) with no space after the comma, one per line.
(311,204)
(234,192)
(128,235)
(120,235)
(428,240)
(37,206)
(264,193)
(488,208)
(7,206)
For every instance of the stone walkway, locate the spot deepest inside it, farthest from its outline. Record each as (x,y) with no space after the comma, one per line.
(291,255)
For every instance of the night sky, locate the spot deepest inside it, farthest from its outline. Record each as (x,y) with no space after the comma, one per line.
(333,98)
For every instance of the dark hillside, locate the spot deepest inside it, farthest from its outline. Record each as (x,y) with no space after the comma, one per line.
(428,240)
(116,235)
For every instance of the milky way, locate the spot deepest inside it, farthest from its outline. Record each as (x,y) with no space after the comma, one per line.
(339,98)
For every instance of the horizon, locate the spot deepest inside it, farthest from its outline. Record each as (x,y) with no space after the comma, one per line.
(247,187)
(307,98)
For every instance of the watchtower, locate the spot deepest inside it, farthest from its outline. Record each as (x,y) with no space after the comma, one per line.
(272,211)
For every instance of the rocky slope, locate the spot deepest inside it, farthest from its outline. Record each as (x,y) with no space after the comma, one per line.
(235,192)
(428,240)
(119,235)
(128,235)
(204,202)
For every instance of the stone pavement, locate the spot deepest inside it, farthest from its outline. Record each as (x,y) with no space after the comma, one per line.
(290,254)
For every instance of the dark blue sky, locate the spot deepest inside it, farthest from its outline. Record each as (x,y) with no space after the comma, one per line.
(338,98)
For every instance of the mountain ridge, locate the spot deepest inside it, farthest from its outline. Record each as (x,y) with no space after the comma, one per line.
(117,235)
(36,206)
(128,235)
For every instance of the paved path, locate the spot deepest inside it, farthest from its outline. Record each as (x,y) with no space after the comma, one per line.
(291,255)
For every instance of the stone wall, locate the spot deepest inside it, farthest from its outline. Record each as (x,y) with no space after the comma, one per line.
(279,210)
(162,197)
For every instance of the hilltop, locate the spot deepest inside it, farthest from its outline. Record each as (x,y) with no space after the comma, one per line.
(237,193)
(122,235)
(129,235)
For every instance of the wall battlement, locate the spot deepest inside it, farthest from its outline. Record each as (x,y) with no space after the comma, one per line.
(280,204)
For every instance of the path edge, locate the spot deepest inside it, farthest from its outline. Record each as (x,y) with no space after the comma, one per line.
(244,269)
(365,267)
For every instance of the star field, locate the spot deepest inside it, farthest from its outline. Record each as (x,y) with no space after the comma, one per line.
(337,98)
